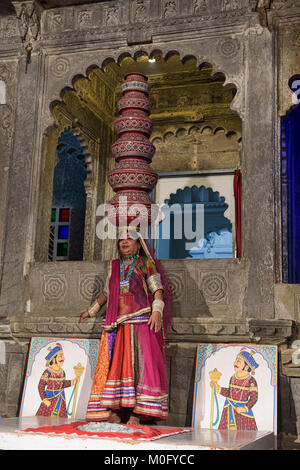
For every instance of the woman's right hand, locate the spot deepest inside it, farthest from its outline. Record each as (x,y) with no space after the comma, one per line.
(83,316)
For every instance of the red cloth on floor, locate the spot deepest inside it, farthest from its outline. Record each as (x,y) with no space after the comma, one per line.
(145,433)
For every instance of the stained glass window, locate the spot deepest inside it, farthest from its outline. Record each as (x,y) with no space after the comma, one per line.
(63,232)
(64,215)
(62,249)
(59,234)
(69,200)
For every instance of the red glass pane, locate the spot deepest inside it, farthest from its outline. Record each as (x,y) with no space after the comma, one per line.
(64,215)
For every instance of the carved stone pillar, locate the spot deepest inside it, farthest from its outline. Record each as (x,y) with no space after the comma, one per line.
(7,104)
(19,189)
(257,164)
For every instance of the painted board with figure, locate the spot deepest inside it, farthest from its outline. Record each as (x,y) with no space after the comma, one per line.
(59,377)
(236,387)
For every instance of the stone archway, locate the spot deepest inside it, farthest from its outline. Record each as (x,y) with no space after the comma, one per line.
(88,108)
(90,146)
(211,148)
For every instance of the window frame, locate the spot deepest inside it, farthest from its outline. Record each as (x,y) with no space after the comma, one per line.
(195,174)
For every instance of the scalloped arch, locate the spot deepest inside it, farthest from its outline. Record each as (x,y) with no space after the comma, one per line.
(205,129)
(83,143)
(166,54)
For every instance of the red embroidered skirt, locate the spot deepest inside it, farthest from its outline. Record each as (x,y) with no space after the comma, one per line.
(136,377)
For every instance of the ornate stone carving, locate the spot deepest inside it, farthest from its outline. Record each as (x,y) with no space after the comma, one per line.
(85,18)
(229,5)
(200,7)
(281,4)
(112,16)
(94,21)
(54,286)
(28,19)
(90,286)
(57,20)
(228,47)
(10,28)
(176,281)
(5,73)
(293,37)
(60,67)
(214,287)
(6,120)
(170,10)
(297,40)
(140,13)
(209,147)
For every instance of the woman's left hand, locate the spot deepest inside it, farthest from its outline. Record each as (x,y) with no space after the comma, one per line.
(155,321)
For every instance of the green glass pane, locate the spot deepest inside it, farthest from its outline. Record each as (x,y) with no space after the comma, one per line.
(62,249)
(53,215)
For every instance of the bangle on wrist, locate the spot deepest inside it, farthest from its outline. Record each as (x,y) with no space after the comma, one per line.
(158,306)
(94,308)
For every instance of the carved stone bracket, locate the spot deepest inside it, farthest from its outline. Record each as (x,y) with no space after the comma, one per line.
(6,120)
(144,15)
(5,73)
(6,106)
(190,330)
(67,326)
(28,15)
(278,331)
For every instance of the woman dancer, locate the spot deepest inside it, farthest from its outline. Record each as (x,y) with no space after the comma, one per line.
(130,382)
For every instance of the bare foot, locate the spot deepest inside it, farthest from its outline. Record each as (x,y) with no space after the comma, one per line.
(114,418)
(133,420)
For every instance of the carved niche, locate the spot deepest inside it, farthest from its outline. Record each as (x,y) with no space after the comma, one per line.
(6,102)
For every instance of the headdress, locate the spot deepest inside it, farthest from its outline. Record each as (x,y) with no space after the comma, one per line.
(53,351)
(248,358)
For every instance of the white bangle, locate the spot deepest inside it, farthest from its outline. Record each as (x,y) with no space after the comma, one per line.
(94,309)
(158,306)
